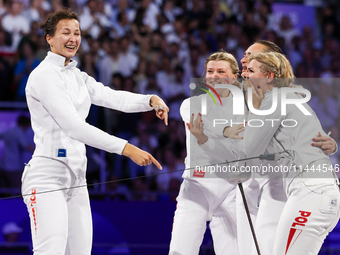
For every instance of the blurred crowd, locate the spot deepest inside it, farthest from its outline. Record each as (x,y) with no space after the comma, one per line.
(155,47)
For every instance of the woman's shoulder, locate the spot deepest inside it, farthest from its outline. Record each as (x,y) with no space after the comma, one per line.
(194,100)
(44,71)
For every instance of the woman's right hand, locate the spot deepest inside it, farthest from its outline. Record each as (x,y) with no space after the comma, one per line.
(257,95)
(196,128)
(140,157)
(233,132)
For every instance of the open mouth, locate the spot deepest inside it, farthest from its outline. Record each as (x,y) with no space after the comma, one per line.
(70,47)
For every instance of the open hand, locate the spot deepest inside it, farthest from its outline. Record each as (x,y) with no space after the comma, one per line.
(196,128)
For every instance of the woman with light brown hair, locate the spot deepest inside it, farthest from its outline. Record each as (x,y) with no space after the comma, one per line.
(204,196)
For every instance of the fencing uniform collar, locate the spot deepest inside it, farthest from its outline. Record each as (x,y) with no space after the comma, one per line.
(59,60)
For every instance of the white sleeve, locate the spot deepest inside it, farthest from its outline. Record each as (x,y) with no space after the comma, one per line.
(115,99)
(54,97)
(221,152)
(336,147)
(256,139)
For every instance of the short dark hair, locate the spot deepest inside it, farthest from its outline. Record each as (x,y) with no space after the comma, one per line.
(271,47)
(50,26)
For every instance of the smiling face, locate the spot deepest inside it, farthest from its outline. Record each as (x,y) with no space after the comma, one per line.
(220,72)
(257,77)
(66,39)
(253,49)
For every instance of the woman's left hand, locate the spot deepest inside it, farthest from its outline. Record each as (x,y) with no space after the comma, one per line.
(325,143)
(160,107)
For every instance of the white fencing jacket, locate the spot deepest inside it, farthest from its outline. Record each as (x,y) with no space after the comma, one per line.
(59,99)
(293,131)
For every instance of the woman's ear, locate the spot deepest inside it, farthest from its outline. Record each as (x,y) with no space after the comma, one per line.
(49,40)
(270,77)
(232,81)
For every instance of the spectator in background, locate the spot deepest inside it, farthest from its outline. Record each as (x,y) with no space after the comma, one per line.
(179,35)
(139,29)
(140,73)
(6,48)
(249,27)
(287,30)
(307,39)
(110,64)
(144,140)
(152,13)
(42,48)
(150,83)
(152,86)
(177,92)
(195,69)
(98,49)
(34,33)
(334,69)
(15,23)
(128,60)
(92,21)
(325,107)
(122,6)
(329,16)
(104,8)
(197,14)
(173,169)
(32,12)
(88,65)
(170,11)
(11,233)
(144,50)
(121,27)
(165,76)
(295,55)
(2,8)
(11,163)
(234,35)
(24,67)
(155,47)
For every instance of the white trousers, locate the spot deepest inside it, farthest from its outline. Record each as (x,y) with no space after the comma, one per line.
(60,217)
(245,238)
(199,201)
(311,212)
(271,201)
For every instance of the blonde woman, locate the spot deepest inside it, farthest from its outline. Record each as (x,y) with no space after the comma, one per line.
(312,207)
(202,197)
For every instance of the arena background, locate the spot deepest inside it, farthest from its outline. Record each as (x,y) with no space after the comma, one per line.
(156,46)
